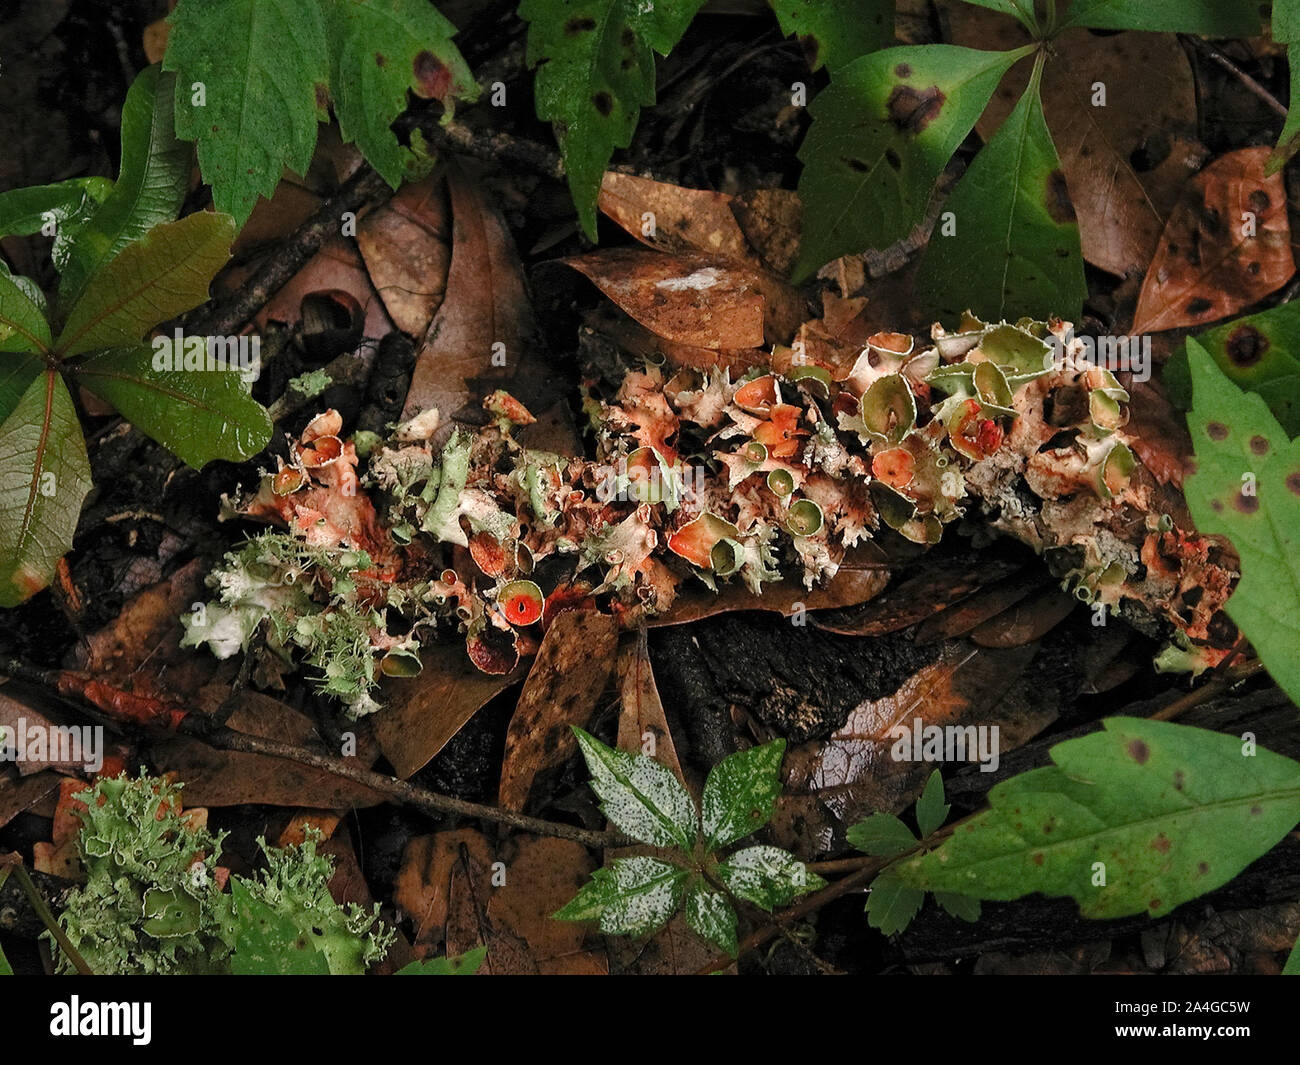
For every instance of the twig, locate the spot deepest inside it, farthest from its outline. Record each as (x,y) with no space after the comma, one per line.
(494,146)
(47,918)
(1219,684)
(1246,80)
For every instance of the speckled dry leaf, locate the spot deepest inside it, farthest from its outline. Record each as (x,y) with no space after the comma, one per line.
(423,887)
(563,688)
(406,244)
(674,219)
(1226,245)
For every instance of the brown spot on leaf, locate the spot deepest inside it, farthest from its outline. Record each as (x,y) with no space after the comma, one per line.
(1059,204)
(1139,751)
(380,59)
(432,75)
(1259,201)
(1246,345)
(903,70)
(1293,483)
(1246,504)
(1256,810)
(911,110)
(856,165)
(1216,505)
(1180,781)
(891,157)
(604,103)
(1154,904)
(576,26)
(1259,445)
(1038,858)
(1202,868)
(1216,431)
(1161,844)
(322,97)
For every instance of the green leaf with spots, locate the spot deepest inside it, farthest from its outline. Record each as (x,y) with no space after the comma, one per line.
(892,904)
(1007,243)
(198,415)
(379,51)
(641,796)
(22,323)
(268,943)
(595,71)
(836,32)
(881,834)
(931,810)
(881,134)
(44,477)
(151,281)
(1138,817)
(466,964)
(630,897)
(710,916)
(740,793)
(768,877)
(1213,18)
(149,189)
(250,88)
(1247,487)
(1256,353)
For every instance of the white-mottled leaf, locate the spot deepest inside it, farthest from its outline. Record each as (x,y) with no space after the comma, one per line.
(740,793)
(641,796)
(768,876)
(710,915)
(631,897)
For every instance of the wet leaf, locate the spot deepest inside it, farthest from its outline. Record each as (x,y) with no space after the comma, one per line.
(44,476)
(1226,245)
(596,70)
(199,415)
(1015,249)
(882,133)
(1247,487)
(1166,812)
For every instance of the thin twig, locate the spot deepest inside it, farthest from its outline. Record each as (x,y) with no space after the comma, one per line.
(1230,678)
(47,918)
(1246,80)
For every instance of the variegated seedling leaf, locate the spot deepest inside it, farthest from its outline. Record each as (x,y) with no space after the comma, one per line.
(640,795)
(711,916)
(768,877)
(630,897)
(741,792)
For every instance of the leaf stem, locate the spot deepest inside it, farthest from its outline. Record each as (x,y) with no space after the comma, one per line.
(47,918)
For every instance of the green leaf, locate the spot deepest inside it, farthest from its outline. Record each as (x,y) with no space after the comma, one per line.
(881,834)
(16,373)
(1020,9)
(1247,487)
(596,70)
(710,915)
(931,810)
(44,476)
(1213,18)
(740,793)
(1292,967)
(882,132)
(631,897)
(5,968)
(154,177)
(1164,812)
(380,49)
(836,32)
(22,324)
(892,904)
(65,204)
(199,415)
(1015,251)
(963,907)
(1255,352)
(163,275)
(641,796)
(250,83)
(768,877)
(269,944)
(466,964)
(1288,141)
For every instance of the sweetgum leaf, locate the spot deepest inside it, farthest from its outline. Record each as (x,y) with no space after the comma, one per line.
(740,793)
(931,810)
(199,415)
(1214,18)
(44,477)
(1015,252)
(1255,352)
(150,281)
(466,964)
(380,49)
(1247,487)
(710,915)
(1168,812)
(631,897)
(596,70)
(835,32)
(882,132)
(22,323)
(892,904)
(768,876)
(881,834)
(639,795)
(149,189)
(269,944)
(263,70)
